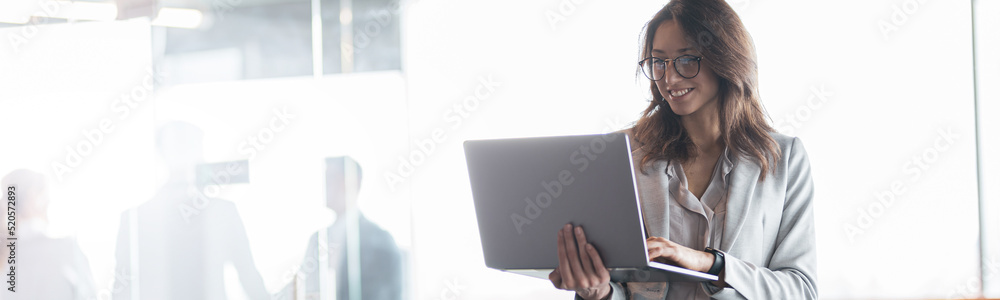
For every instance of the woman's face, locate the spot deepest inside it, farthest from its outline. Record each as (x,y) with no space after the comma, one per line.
(686,96)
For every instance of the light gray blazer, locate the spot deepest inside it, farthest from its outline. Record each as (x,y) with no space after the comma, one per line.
(769,238)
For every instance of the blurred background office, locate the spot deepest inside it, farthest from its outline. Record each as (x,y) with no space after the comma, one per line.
(902,90)
(52,267)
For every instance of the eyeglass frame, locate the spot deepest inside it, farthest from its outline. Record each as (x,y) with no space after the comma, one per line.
(673,62)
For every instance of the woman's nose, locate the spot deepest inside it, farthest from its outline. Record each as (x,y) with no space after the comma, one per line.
(670,74)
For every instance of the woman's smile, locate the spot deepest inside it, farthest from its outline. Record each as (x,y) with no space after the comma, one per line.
(678,94)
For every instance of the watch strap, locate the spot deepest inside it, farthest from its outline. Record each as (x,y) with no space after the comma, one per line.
(719,263)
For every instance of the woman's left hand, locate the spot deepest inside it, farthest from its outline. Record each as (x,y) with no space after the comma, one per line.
(665,251)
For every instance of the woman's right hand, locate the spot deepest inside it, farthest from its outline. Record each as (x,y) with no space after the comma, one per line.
(580,267)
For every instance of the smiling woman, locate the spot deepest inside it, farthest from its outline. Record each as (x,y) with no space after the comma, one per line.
(711,34)
(707,164)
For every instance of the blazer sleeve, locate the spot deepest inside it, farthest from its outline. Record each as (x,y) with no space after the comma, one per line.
(617,292)
(791,273)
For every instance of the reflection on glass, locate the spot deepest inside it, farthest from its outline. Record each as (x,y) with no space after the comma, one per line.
(361,252)
(375,35)
(247,41)
(176,245)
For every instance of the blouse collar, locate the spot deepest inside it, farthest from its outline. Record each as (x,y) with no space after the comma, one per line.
(727,166)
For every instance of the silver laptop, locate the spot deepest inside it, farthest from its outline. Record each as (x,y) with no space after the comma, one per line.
(526,189)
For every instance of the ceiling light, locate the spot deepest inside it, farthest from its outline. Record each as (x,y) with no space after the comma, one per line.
(178,17)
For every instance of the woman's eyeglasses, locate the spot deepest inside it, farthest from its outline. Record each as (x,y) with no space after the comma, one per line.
(655,68)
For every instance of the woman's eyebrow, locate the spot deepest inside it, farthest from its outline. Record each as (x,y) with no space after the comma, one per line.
(682,50)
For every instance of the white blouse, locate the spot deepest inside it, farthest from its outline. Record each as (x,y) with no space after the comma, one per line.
(694,223)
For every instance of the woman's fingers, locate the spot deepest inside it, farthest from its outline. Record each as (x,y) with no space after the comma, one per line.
(556,279)
(653,248)
(665,251)
(586,264)
(580,266)
(658,247)
(654,252)
(598,264)
(573,254)
(565,274)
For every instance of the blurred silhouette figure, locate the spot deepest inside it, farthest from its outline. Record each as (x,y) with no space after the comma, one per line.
(377,260)
(183,238)
(45,267)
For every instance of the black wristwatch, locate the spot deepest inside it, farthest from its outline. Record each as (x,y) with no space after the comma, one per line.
(720,261)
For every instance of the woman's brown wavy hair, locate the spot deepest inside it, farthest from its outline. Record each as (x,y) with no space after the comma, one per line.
(714,29)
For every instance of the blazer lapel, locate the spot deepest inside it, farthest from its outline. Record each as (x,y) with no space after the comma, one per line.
(743,181)
(653,194)
(654,187)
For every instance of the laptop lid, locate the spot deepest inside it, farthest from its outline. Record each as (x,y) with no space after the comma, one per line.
(526,189)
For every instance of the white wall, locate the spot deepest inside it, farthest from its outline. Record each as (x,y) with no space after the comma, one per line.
(898,123)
